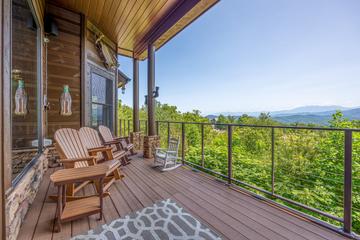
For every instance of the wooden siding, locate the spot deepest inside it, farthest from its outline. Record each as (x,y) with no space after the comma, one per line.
(233,214)
(64,68)
(128,22)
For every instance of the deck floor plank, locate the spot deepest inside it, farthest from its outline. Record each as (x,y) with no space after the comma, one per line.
(233,214)
(304,228)
(35,210)
(239,224)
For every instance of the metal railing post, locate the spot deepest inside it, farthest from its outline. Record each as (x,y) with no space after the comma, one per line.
(183,143)
(168,132)
(157,128)
(272,160)
(120,122)
(124,132)
(146,128)
(229,154)
(129,127)
(348,181)
(202,146)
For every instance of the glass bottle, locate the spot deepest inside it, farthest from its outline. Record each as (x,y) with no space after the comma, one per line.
(65,102)
(21,99)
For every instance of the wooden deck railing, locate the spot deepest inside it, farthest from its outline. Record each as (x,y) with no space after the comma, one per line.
(169,128)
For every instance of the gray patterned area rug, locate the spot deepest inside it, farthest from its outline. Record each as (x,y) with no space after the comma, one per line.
(164,220)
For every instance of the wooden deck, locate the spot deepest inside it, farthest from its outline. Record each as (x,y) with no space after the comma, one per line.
(232,214)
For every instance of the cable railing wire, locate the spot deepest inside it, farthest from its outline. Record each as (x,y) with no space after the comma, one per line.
(315,179)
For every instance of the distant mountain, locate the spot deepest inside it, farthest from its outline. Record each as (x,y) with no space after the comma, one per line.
(303,110)
(309,109)
(307,114)
(321,118)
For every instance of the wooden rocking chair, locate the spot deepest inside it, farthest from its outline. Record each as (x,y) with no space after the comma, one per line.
(167,158)
(123,142)
(73,154)
(91,139)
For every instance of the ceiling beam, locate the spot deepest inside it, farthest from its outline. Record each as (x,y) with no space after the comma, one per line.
(165,24)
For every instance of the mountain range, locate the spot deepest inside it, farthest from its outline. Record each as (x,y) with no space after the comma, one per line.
(305,114)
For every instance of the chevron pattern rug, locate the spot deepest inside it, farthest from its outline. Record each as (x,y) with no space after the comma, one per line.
(164,220)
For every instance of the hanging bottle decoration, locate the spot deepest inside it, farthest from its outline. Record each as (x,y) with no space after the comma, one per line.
(65,102)
(21,99)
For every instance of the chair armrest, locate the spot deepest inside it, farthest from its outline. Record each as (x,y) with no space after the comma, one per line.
(126,139)
(160,149)
(99,149)
(73,160)
(171,152)
(112,142)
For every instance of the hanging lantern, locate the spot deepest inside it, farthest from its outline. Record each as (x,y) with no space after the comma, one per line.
(65,102)
(21,99)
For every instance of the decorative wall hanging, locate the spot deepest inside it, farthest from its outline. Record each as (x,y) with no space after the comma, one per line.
(65,102)
(21,98)
(108,58)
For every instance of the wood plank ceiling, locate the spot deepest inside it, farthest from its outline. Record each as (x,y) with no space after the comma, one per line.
(130,23)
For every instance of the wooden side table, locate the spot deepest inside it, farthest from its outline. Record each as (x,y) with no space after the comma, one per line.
(88,205)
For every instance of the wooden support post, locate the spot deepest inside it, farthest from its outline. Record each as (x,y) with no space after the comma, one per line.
(151,86)
(136,122)
(348,182)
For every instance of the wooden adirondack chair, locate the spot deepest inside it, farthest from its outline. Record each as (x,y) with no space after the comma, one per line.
(73,154)
(122,142)
(91,139)
(167,158)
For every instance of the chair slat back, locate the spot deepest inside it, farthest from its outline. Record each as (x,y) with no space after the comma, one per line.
(90,137)
(106,133)
(68,140)
(174,144)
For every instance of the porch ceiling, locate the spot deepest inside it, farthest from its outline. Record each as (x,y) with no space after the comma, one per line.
(133,23)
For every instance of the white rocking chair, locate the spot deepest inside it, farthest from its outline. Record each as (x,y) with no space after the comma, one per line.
(167,158)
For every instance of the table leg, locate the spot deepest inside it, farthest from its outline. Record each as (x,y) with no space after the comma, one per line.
(59,209)
(101,197)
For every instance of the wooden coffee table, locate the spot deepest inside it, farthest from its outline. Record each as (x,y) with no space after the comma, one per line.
(83,206)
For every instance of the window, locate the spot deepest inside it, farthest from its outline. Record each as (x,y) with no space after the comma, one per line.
(25,85)
(102,100)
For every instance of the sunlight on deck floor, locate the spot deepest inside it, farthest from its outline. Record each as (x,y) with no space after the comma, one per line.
(232,214)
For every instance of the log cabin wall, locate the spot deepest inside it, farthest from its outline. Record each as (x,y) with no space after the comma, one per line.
(95,65)
(64,68)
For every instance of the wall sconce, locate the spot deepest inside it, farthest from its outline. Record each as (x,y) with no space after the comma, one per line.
(21,98)
(65,102)
(155,94)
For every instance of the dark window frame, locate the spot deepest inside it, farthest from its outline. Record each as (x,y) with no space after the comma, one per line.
(39,97)
(110,106)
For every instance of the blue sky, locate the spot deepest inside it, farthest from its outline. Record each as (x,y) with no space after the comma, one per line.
(260,55)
